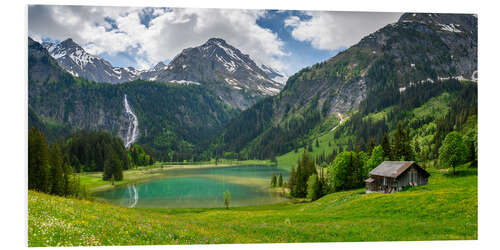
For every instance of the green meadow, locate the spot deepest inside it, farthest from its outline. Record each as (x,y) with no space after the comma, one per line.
(445,209)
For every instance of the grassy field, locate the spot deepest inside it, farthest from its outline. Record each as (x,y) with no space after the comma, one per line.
(286,161)
(445,209)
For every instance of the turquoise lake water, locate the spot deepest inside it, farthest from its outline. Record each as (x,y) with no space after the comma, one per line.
(194,188)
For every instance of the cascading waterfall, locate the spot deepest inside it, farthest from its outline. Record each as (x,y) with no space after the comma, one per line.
(133,125)
(133,196)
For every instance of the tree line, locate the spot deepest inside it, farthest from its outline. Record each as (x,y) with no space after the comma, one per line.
(349,169)
(49,170)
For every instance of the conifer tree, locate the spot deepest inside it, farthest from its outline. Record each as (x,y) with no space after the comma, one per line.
(371,145)
(291,179)
(313,188)
(67,177)
(38,162)
(280,180)
(273,180)
(386,146)
(56,167)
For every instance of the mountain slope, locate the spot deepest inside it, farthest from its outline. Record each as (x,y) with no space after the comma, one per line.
(368,77)
(172,120)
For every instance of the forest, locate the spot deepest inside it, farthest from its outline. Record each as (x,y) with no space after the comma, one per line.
(53,168)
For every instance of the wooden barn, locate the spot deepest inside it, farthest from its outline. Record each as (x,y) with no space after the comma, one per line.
(393,176)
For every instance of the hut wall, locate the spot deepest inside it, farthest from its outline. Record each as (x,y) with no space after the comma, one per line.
(412,176)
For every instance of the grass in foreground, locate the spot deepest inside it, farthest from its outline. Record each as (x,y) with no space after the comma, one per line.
(445,209)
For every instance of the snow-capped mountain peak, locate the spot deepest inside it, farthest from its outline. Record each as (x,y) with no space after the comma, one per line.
(74,59)
(238,79)
(274,74)
(160,66)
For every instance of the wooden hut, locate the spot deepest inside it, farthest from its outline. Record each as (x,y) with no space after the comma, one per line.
(393,176)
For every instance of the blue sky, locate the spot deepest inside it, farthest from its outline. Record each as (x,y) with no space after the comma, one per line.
(302,53)
(141,37)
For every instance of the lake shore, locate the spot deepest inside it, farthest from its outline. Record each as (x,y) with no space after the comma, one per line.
(94,182)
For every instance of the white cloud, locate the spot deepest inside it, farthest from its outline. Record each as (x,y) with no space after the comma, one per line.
(330,30)
(169,31)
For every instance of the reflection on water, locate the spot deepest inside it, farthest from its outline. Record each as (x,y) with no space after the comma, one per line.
(249,185)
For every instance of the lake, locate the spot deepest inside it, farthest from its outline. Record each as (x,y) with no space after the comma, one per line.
(203,187)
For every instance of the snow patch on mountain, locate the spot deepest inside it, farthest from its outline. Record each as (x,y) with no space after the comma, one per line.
(450,27)
(185,82)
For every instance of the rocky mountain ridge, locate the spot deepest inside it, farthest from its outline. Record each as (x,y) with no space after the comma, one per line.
(368,76)
(234,76)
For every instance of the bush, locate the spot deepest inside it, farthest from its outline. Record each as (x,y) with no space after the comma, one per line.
(347,171)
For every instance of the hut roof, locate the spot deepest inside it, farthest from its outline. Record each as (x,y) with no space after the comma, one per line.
(369,180)
(393,168)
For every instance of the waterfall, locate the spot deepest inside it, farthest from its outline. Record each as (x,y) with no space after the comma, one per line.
(133,198)
(133,125)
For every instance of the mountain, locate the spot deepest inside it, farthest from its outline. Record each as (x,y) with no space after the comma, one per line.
(371,75)
(234,76)
(152,74)
(74,59)
(171,121)
(274,74)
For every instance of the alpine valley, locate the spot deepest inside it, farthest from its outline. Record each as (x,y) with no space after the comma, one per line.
(178,107)
(377,143)
(213,99)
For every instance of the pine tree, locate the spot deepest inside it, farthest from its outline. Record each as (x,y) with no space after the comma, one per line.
(280,180)
(317,143)
(408,152)
(417,148)
(313,188)
(371,145)
(398,148)
(117,168)
(386,146)
(56,167)
(305,168)
(291,180)
(273,180)
(66,177)
(38,162)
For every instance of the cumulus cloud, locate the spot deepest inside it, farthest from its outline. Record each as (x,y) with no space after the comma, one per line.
(155,34)
(331,30)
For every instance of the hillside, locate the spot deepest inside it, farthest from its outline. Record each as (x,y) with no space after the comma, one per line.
(419,49)
(445,209)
